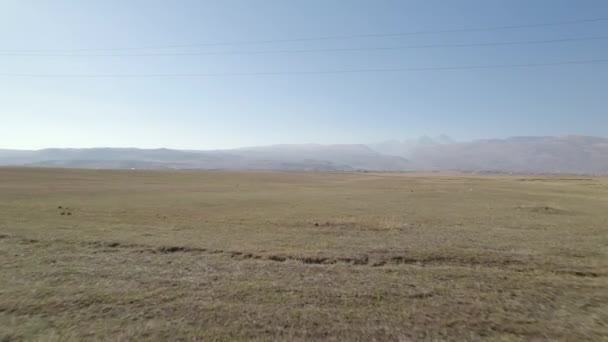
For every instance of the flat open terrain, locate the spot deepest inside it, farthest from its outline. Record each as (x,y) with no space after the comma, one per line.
(172,255)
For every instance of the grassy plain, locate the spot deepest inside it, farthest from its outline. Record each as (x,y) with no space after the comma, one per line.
(188,255)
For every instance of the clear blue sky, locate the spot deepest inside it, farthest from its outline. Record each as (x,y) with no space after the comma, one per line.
(225,112)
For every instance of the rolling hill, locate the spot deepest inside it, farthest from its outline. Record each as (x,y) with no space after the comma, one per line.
(553,155)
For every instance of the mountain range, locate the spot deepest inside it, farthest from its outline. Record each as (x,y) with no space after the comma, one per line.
(551,155)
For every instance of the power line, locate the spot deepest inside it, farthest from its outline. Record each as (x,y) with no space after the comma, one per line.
(321,38)
(390,48)
(319,72)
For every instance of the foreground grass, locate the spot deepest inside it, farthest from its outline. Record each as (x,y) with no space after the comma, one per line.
(115,255)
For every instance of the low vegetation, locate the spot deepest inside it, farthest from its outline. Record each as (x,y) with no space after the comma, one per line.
(187,255)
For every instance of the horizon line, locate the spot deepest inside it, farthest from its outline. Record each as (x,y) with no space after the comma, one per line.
(299,144)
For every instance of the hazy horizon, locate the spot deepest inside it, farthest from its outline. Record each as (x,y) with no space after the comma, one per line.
(546,155)
(417,139)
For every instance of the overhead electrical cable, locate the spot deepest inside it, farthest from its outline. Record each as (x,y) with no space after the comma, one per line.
(323,38)
(314,72)
(296,51)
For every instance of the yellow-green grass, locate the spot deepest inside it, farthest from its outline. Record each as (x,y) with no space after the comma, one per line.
(170,255)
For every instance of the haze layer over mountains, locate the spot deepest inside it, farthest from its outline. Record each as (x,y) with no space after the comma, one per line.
(554,155)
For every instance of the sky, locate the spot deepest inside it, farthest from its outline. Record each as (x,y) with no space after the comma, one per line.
(232,109)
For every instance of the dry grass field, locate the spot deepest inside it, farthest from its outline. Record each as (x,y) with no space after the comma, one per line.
(185,255)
